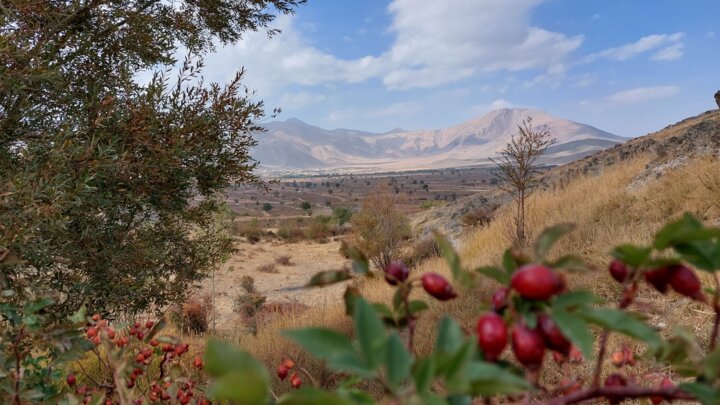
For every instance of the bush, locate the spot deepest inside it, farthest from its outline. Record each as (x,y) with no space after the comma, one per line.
(341,215)
(268,268)
(251,231)
(421,251)
(267,207)
(291,233)
(248,284)
(380,229)
(195,315)
(479,216)
(284,260)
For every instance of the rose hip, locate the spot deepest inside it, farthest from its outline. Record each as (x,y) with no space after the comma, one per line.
(437,286)
(492,335)
(536,282)
(528,346)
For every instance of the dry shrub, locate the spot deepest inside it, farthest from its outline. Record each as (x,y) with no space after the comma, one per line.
(251,231)
(248,284)
(267,268)
(195,315)
(422,250)
(291,232)
(479,217)
(380,228)
(284,260)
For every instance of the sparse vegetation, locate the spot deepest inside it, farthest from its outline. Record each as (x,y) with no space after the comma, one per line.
(268,268)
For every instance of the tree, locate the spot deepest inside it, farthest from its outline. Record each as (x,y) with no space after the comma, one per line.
(380,228)
(305,205)
(342,215)
(518,170)
(267,207)
(108,186)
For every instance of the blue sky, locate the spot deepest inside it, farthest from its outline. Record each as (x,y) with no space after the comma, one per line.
(628,67)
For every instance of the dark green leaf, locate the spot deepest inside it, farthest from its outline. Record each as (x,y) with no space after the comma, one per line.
(574,299)
(370,333)
(328,277)
(575,329)
(547,239)
(509,263)
(312,396)
(631,254)
(488,379)
(677,231)
(397,361)
(424,374)
(623,322)
(360,263)
(450,336)
(229,365)
(702,392)
(351,294)
(451,256)
(417,306)
(571,263)
(495,273)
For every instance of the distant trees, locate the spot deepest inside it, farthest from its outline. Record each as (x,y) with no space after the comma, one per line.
(267,207)
(380,228)
(518,169)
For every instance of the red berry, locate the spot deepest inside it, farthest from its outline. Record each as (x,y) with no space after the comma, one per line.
(153,343)
(492,335)
(658,278)
(536,282)
(500,299)
(528,346)
(130,383)
(71,380)
(198,363)
(140,335)
(96,340)
(282,372)
(437,286)
(139,358)
(396,273)
(554,339)
(287,362)
(149,324)
(615,380)
(684,281)
(619,271)
(295,381)
(96,317)
(91,332)
(665,383)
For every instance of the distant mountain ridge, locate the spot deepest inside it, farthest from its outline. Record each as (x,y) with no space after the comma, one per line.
(294,144)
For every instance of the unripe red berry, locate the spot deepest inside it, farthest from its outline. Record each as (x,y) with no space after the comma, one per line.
(71,380)
(492,335)
(554,339)
(619,271)
(197,362)
(500,299)
(437,286)
(396,273)
(528,346)
(536,282)
(658,278)
(295,381)
(282,372)
(149,324)
(684,281)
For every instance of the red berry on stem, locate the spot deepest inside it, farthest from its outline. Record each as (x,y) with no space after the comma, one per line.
(684,281)
(396,273)
(149,324)
(287,362)
(492,335)
(554,339)
(295,381)
(619,271)
(282,372)
(91,332)
(71,380)
(615,380)
(437,286)
(658,278)
(500,299)
(528,347)
(536,282)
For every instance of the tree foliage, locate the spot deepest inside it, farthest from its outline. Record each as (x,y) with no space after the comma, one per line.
(109,182)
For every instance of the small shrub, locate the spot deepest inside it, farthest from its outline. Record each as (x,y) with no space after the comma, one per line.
(248,284)
(291,233)
(479,217)
(421,251)
(267,207)
(268,268)
(195,314)
(284,260)
(249,304)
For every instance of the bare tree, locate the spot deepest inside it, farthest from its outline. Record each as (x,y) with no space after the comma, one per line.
(518,169)
(717,98)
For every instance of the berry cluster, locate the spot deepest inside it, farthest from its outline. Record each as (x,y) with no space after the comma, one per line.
(680,277)
(284,368)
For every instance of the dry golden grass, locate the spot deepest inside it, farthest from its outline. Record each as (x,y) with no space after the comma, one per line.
(606,211)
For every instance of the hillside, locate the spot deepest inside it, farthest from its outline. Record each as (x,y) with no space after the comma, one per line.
(671,147)
(293,144)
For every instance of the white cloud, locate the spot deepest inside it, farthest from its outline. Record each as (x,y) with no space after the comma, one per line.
(672,52)
(635,95)
(710,34)
(644,44)
(436,42)
(396,109)
(296,100)
(480,109)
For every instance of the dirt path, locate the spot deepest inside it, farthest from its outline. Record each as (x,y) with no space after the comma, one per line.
(284,286)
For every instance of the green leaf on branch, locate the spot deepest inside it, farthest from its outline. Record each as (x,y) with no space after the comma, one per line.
(705,255)
(488,379)
(416,306)
(494,273)
(360,262)
(328,277)
(575,329)
(398,361)
(623,322)
(351,294)
(451,256)
(547,239)
(704,393)
(683,230)
(424,374)
(450,336)
(312,396)
(229,366)
(574,299)
(631,254)
(571,263)
(370,332)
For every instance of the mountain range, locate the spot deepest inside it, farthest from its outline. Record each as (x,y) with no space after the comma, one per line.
(296,145)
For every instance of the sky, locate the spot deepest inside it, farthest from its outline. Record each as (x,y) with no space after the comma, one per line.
(628,67)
